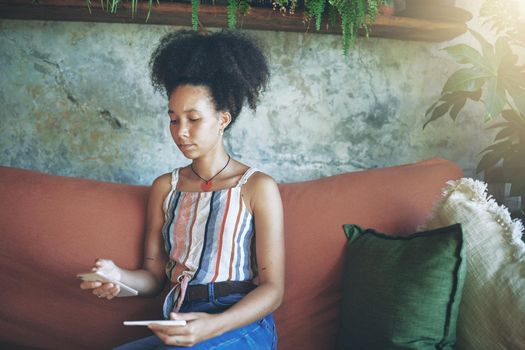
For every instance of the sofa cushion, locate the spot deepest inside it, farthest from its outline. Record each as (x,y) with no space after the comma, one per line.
(402,292)
(492,313)
(392,199)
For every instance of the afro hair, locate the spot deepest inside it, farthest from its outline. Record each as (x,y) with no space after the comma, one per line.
(230,64)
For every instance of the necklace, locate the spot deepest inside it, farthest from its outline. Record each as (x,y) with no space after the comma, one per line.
(208,184)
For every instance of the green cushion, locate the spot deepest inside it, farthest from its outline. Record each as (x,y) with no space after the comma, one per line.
(402,292)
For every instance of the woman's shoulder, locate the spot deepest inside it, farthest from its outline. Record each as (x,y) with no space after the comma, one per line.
(261,191)
(261,177)
(259,181)
(251,176)
(162,183)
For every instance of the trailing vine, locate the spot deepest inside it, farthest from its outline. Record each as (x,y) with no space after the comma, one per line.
(235,7)
(315,9)
(195,14)
(232,7)
(353,15)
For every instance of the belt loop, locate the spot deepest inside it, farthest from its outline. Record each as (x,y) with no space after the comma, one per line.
(211,291)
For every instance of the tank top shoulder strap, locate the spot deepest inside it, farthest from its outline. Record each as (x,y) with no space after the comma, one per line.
(174,178)
(246,176)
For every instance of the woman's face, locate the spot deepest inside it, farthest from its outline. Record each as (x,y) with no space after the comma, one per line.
(195,124)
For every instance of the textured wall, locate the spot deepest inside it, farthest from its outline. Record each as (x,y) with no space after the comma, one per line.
(76,100)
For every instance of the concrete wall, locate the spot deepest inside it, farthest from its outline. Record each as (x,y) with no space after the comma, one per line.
(76,100)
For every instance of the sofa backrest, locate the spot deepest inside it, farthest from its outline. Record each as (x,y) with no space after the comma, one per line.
(53,227)
(392,200)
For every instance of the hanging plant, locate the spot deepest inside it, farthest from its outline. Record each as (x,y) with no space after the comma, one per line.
(315,9)
(195,14)
(352,15)
(232,13)
(234,8)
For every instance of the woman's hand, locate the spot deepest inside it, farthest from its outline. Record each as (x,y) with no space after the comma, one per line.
(101,289)
(200,326)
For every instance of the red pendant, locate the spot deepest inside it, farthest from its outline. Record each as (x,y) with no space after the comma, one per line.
(206,185)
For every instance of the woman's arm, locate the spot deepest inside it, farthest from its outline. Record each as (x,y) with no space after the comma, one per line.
(266,205)
(148,280)
(264,200)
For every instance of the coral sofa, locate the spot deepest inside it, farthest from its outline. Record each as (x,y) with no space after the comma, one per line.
(53,227)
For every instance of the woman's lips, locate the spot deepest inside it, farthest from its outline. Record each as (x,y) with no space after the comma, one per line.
(185,146)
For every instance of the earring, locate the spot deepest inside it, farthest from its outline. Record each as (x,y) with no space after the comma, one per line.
(221,132)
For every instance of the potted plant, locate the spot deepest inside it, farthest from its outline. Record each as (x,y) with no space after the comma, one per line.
(495,78)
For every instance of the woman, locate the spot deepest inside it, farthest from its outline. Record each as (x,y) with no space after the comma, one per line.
(202,218)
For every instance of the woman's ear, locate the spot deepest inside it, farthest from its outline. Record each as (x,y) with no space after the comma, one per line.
(225,119)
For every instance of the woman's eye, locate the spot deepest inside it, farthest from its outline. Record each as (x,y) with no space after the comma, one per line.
(173,122)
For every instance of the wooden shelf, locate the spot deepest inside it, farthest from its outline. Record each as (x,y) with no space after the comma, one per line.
(179,14)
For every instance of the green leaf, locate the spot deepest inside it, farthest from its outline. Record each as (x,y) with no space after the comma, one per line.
(195,14)
(499,125)
(439,111)
(514,159)
(512,116)
(457,108)
(489,160)
(518,98)
(493,154)
(517,123)
(486,48)
(503,51)
(466,79)
(513,76)
(505,133)
(465,54)
(501,147)
(475,96)
(495,98)
(433,106)
(232,13)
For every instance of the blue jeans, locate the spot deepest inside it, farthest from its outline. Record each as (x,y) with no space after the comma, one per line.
(260,335)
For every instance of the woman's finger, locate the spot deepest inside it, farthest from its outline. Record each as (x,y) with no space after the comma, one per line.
(177,339)
(187,316)
(169,330)
(90,285)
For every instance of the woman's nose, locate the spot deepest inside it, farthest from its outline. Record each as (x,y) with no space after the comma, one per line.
(183,131)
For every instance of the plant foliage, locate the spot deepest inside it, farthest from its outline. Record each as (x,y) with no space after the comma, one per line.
(235,8)
(194,14)
(352,15)
(494,77)
(509,148)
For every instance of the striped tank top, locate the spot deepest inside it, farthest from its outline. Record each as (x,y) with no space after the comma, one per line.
(208,236)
